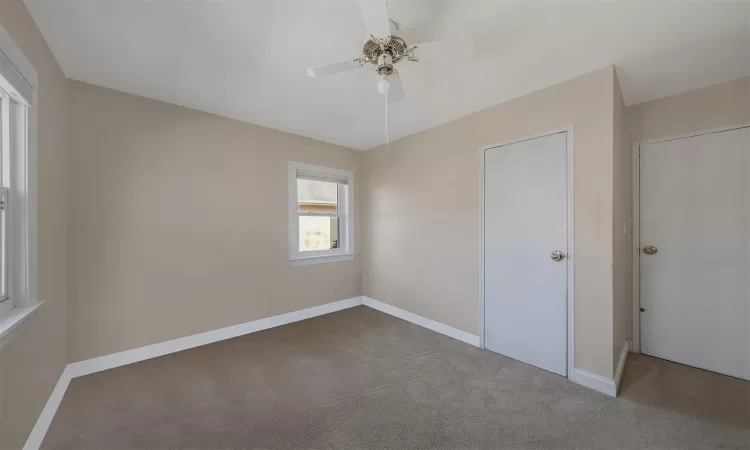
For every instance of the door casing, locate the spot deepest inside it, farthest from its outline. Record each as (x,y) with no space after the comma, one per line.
(571,249)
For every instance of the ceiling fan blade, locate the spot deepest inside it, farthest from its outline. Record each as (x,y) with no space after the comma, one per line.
(330,69)
(455,49)
(375,16)
(396,92)
(411,15)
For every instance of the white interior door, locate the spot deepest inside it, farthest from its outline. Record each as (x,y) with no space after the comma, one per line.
(695,290)
(525,220)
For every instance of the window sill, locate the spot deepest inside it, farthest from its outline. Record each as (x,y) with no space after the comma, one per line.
(12,320)
(306,260)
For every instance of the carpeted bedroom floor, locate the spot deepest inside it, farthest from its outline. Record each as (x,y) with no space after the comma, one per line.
(362,379)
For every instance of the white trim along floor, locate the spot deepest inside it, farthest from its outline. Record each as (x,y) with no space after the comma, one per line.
(111,361)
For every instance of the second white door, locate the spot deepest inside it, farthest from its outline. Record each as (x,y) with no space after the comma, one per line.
(695,251)
(525,223)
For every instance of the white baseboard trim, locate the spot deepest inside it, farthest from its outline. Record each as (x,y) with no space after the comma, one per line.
(422,321)
(113,360)
(34,441)
(600,383)
(595,382)
(123,358)
(621,362)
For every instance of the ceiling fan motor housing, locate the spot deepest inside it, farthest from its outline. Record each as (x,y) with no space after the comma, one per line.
(384,53)
(385,64)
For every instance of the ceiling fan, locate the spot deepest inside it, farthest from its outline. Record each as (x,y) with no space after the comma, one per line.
(384,49)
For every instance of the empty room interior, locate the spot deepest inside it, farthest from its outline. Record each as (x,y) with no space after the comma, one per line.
(381,224)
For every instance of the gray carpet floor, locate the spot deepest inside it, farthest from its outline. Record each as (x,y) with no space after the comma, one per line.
(362,379)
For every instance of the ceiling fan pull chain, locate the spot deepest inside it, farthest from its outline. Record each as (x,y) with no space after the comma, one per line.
(387,140)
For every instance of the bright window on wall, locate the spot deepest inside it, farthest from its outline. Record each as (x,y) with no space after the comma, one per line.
(4,197)
(12,226)
(320,214)
(17,218)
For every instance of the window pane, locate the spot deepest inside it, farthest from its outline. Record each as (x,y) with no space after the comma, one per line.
(4,185)
(318,233)
(3,254)
(317,196)
(5,139)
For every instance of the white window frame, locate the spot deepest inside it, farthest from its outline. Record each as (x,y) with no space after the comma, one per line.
(18,80)
(345,250)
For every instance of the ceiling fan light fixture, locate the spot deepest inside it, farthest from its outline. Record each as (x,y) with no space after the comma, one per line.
(384,85)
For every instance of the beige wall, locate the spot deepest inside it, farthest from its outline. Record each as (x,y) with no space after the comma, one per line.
(33,359)
(622,248)
(178,223)
(699,110)
(422,211)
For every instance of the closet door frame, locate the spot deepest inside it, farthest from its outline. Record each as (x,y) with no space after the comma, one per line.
(569,130)
(637,220)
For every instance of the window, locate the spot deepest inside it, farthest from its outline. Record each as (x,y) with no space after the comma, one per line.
(13,281)
(320,214)
(4,197)
(17,275)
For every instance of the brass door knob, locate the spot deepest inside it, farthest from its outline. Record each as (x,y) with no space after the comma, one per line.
(557,255)
(649,250)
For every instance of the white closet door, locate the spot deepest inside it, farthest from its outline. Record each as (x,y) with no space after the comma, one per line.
(525,221)
(695,290)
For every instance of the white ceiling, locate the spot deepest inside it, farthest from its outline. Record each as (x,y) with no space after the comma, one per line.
(246,59)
